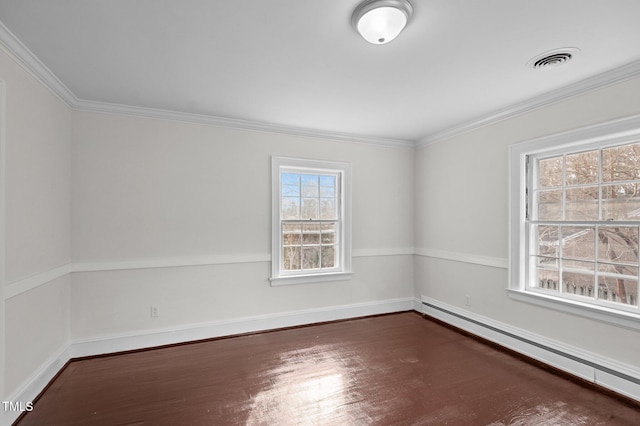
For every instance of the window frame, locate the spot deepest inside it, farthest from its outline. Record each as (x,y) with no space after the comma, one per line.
(342,171)
(616,132)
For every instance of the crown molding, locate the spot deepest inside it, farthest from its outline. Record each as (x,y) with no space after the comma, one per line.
(153,113)
(30,62)
(23,56)
(607,78)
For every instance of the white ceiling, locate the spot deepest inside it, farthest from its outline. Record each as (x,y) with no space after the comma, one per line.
(299,64)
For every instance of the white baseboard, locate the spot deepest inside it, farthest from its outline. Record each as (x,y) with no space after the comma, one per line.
(151,338)
(38,380)
(618,377)
(191,332)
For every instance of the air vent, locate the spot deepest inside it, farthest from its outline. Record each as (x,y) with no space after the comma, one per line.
(554,58)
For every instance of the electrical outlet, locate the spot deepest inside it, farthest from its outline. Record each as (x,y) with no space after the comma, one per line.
(155,311)
(468,300)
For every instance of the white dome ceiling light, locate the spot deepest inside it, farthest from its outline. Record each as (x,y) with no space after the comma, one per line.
(380,21)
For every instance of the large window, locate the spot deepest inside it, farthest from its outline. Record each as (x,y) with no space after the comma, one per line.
(575,220)
(310,220)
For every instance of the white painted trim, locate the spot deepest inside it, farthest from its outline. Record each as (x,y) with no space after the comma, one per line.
(311,278)
(99,345)
(191,332)
(22,55)
(607,78)
(609,373)
(38,380)
(30,63)
(342,172)
(154,113)
(29,283)
(594,312)
(492,262)
(26,284)
(170,262)
(623,130)
(393,251)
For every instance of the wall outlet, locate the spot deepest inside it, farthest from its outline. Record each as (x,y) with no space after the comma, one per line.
(155,311)
(467,300)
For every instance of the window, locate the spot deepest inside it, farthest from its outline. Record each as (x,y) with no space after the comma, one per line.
(311,221)
(575,221)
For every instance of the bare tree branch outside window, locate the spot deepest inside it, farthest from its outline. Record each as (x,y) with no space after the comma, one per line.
(586,224)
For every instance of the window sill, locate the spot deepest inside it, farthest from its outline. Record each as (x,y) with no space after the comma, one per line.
(308,279)
(597,313)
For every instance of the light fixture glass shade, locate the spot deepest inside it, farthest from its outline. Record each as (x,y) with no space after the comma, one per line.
(380,21)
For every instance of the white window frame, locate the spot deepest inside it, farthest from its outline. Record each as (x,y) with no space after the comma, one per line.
(615,132)
(342,171)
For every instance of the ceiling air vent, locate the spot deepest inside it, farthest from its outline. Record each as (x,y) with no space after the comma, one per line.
(553,59)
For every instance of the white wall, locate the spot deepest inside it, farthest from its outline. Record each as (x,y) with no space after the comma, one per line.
(462,216)
(175,214)
(37,223)
(168,193)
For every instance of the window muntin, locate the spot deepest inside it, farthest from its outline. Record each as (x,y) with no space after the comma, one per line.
(311,220)
(583,226)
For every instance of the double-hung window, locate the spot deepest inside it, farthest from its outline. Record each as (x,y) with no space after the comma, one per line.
(575,221)
(311,221)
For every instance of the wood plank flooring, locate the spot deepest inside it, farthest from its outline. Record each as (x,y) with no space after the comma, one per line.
(398,369)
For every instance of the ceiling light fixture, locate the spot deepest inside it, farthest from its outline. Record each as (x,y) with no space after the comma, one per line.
(380,21)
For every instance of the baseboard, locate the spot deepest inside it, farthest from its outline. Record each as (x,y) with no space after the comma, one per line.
(613,375)
(159,337)
(39,380)
(35,384)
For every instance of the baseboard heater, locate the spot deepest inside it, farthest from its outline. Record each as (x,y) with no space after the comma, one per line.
(618,381)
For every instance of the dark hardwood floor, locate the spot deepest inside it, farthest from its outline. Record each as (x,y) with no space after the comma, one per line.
(398,369)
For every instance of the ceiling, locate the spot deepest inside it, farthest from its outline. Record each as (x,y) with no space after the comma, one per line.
(299,64)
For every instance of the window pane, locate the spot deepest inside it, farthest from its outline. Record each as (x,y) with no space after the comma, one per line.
(310,180)
(290,208)
(618,244)
(307,218)
(579,267)
(328,181)
(311,233)
(290,179)
(549,204)
(550,172)
(310,186)
(581,203)
(578,242)
(578,284)
(309,208)
(328,208)
(311,257)
(547,279)
(547,262)
(621,202)
(328,233)
(618,290)
(290,190)
(291,258)
(621,163)
(327,191)
(310,191)
(547,237)
(582,168)
(616,269)
(291,234)
(328,257)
